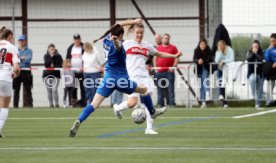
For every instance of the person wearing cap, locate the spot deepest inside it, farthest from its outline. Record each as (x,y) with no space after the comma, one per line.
(74,53)
(25,77)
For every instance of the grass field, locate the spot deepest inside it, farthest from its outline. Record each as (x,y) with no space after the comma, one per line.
(185,135)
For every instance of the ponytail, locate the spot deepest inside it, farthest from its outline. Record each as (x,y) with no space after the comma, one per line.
(1,31)
(4,33)
(111,30)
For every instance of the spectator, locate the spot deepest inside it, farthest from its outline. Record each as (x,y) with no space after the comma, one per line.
(68,78)
(202,58)
(25,77)
(158,40)
(92,62)
(224,55)
(255,54)
(270,58)
(52,59)
(165,72)
(74,53)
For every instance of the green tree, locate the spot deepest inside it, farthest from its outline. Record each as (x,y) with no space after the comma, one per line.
(241,45)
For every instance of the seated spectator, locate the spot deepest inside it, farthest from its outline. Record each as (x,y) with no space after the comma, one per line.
(68,79)
(255,54)
(224,55)
(92,63)
(52,59)
(270,67)
(202,58)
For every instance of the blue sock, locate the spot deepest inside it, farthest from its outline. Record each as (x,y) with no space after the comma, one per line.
(148,102)
(86,112)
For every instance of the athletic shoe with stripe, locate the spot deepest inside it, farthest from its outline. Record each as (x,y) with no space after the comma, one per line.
(159,112)
(150,132)
(74,128)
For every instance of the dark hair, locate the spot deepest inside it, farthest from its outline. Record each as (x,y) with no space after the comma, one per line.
(198,46)
(115,30)
(51,46)
(260,50)
(5,33)
(273,35)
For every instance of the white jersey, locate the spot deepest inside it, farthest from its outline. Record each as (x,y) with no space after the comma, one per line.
(137,55)
(8,57)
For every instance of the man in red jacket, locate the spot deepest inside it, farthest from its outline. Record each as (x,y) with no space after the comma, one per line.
(165,72)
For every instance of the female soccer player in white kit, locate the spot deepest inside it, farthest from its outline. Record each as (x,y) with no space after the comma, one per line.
(138,52)
(8,60)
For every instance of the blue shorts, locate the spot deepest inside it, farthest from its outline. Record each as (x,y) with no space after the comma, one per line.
(120,82)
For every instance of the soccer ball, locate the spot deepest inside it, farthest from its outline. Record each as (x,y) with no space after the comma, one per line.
(138,116)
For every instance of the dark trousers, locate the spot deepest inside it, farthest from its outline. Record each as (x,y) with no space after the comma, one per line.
(26,78)
(68,92)
(165,90)
(221,87)
(79,76)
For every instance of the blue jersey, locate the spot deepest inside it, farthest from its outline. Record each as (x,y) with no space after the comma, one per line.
(270,55)
(116,59)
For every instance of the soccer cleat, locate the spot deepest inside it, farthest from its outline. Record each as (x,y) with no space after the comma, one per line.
(119,114)
(150,132)
(225,106)
(74,128)
(159,112)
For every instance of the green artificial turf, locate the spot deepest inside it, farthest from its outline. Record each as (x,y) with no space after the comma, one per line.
(185,135)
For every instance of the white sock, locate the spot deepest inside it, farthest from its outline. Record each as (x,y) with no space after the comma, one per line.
(122,106)
(149,119)
(3,117)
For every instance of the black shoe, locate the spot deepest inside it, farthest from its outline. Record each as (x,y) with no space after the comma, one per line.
(57,106)
(271,104)
(51,106)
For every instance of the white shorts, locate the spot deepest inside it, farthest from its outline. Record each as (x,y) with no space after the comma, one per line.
(5,88)
(144,81)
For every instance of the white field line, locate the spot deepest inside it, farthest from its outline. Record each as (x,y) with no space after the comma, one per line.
(255,114)
(177,109)
(104,118)
(140,148)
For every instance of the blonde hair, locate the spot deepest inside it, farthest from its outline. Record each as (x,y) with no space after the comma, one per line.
(88,47)
(224,43)
(130,28)
(65,62)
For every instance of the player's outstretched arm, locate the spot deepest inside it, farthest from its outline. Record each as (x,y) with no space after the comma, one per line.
(131,22)
(167,55)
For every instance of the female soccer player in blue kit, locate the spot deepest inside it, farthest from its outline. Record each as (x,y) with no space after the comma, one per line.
(116,75)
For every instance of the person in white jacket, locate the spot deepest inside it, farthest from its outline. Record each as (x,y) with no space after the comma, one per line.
(224,55)
(92,63)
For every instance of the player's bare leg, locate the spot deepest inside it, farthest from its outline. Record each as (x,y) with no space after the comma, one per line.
(4,111)
(98,99)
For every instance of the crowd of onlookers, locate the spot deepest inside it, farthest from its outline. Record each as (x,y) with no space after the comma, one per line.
(83,61)
(261,66)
